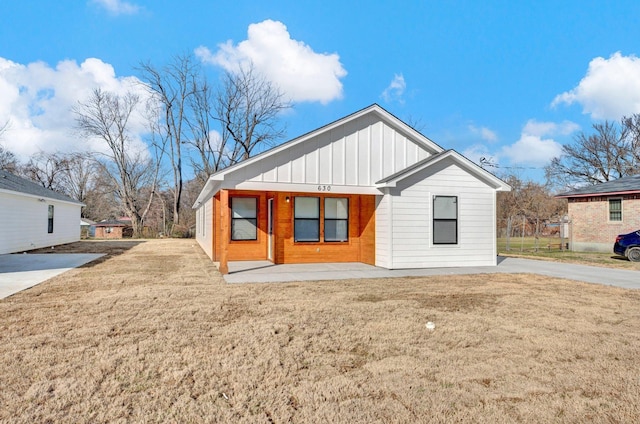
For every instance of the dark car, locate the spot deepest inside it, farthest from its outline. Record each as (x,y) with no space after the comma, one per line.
(628,245)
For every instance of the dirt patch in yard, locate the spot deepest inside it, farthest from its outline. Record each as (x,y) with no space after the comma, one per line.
(154,334)
(109,248)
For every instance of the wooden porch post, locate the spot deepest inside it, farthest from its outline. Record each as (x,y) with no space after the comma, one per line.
(225,234)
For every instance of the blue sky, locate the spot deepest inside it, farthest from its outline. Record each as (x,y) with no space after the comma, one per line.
(498,79)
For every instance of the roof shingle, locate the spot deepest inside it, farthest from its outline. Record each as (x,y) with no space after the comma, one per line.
(12,182)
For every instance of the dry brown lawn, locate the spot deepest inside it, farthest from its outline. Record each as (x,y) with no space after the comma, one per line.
(153,334)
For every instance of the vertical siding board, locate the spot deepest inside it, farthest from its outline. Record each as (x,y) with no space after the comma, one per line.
(364,157)
(325,165)
(351,159)
(338,162)
(375,168)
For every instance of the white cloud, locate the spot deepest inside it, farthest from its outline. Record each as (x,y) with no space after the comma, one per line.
(395,90)
(302,74)
(118,7)
(533,148)
(484,133)
(537,128)
(609,90)
(37,100)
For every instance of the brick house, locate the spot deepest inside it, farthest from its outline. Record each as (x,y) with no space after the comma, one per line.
(112,229)
(599,213)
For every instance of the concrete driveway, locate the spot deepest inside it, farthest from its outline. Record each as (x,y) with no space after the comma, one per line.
(21,271)
(264,271)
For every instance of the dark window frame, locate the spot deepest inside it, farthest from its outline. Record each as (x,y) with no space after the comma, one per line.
(615,212)
(335,220)
(50,215)
(295,219)
(444,220)
(254,220)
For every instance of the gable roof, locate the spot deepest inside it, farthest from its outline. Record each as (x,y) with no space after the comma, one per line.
(624,185)
(13,183)
(460,160)
(393,148)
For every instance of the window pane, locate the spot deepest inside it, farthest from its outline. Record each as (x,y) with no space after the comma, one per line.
(243,229)
(336,208)
(336,230)
(50,220)
(445,232)
(307,207)
(615,210)
(307,230)
(445,207)
(243,207)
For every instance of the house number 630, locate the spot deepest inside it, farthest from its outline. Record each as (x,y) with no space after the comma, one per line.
(324,188)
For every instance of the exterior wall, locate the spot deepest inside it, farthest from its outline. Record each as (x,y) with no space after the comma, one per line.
(204,227)
(591,229)
(116,233)
(356,154)
(359,248)
(244,250)
(411,222)
(383,231)
(24,223)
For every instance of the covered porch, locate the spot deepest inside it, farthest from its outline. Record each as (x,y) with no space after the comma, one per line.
(292,227)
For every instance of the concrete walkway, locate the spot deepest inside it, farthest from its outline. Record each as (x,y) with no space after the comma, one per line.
(19,272)
(265,271)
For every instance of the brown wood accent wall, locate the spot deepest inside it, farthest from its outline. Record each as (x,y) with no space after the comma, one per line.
(359,248)
(242,250)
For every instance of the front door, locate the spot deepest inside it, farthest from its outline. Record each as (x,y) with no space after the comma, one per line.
(270,229)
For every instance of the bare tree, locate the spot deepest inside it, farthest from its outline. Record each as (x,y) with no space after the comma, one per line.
(248,106)
(79,177)
(172,86)
(208,145)
(528,202)
(611,152)
(8,161)
(4,127)
(47,169)
(106,116)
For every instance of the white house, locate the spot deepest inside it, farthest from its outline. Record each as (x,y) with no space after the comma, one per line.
(366,188)
(32,216)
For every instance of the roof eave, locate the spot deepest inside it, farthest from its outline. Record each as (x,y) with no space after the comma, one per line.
(609,193)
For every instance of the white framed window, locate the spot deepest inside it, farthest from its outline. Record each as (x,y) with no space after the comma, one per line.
(336,219)
(306,217)
(615,210)
(244,218)
(445,219)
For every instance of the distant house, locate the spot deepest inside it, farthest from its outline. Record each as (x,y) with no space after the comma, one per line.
(366,188)
(32,216)
(112,229)
(600,212)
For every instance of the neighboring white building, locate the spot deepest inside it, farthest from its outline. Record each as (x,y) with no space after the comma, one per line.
(32,216)
(366,188)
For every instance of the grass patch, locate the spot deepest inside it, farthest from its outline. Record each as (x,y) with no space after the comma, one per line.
(153,334)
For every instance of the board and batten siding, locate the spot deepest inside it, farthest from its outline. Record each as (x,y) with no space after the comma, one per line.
(359,153)
(410,224)
(24,223)
(204,229)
